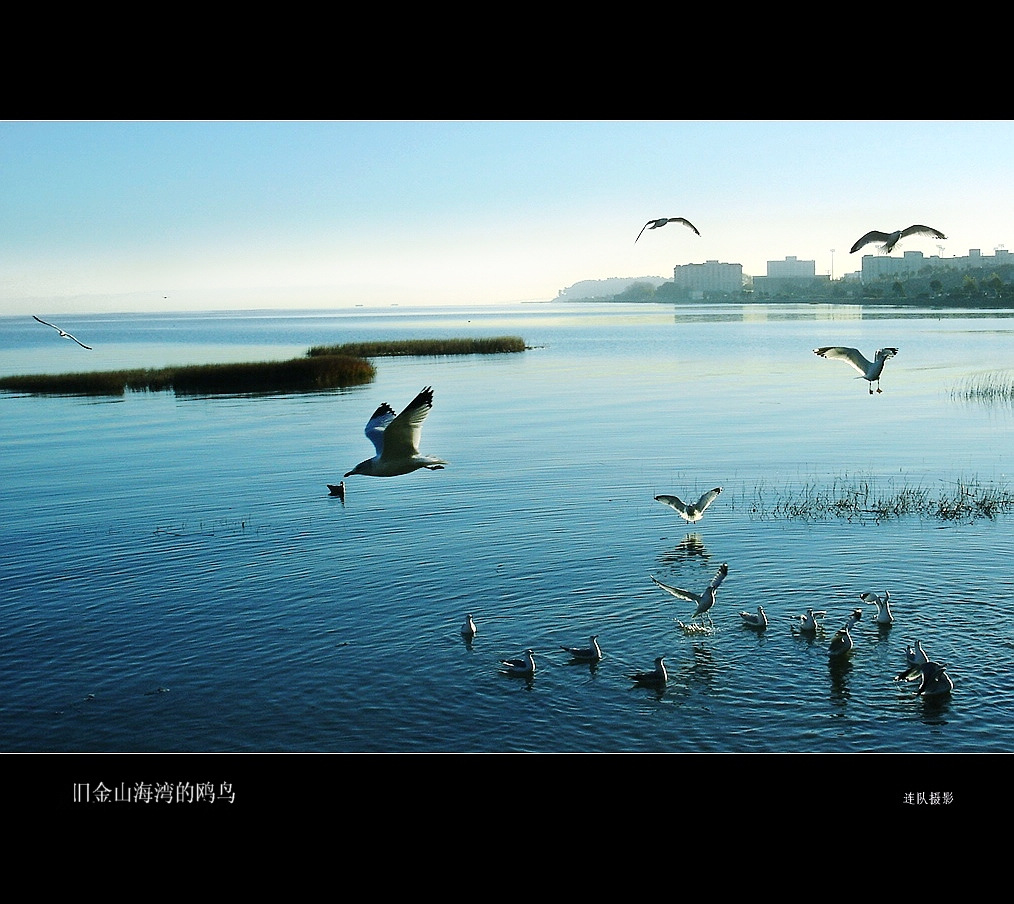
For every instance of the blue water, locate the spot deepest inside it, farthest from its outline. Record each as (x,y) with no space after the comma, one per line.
(174,576)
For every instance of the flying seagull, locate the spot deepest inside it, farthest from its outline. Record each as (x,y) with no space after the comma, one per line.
(870,370)
(396,439)
(655,224)
(63,333)
(591,653)
(890,239)
(704,600)
(655,678)
(691,511)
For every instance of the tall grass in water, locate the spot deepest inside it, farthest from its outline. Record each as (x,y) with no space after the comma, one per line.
(297,375)
(862,499)
(996,387)
(410,347)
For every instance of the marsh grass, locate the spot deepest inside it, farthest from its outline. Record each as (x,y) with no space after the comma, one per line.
(996,387)
(864,499)
(410,347)
(297,375)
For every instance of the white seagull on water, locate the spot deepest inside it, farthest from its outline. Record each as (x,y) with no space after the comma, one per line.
(524,666)
(468,628)
(655,678)
(690,511)
(758,620)
(915,659)
(704,600)
(934,681)
(591,653)
(841,643)
(883,604)
(807,624)
(889,239)
(655,224)
(396,439)
(63,333)
(869,370)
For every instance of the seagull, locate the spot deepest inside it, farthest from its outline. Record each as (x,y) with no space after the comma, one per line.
(807,624)
(524,666)
(883,604)
(841,643)
(870,370)
(396,439)
(656,678)
(890,239)
(591,653)
(704,600)
(655,224)
(935,680)
(690,511)
(63,333)
(856,615)
(468,628)
(760,620)
(915,659)
(338,490)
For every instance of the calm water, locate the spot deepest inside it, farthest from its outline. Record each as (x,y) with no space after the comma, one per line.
(174,576)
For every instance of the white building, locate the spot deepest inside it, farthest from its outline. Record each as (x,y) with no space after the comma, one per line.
(881,266)
(699,280)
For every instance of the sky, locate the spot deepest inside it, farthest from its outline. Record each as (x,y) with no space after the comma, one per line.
(99,216)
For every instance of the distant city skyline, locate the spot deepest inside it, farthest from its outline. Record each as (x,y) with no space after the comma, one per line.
(176,215)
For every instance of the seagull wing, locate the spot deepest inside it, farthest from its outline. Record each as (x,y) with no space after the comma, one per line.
(870,237)
(645,226)
(677,592)
(850,355)
(401,434)
(674,502)
(685,222)
(708,498)
(922,230)
(720,576)
(78,341)
(377,425)
(47,323)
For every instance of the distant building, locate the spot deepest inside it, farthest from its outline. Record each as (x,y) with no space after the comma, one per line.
(787,277)
(709,278)
(883,266)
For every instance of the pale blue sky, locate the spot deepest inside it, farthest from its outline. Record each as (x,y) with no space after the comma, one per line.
(103,216)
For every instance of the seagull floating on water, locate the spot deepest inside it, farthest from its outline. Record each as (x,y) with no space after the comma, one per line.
(856,615)
(934,681)
(752,620)
(396,439)
(915,659)
(841,643)
(656,678)
(870,370)
(655,224)
(591,653)
(468,628)
(63,333)
(338,489)
(524,666)
(690,511)
(704,600)
(883,604)
(807,624)
(889,239)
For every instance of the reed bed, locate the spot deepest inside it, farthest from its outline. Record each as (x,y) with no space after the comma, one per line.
(863,499)
(996,387)
(297,375)
(417,347)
